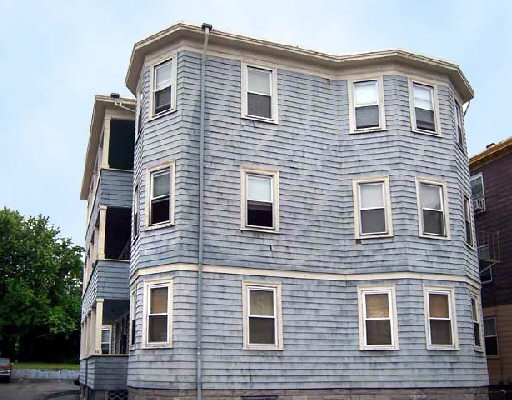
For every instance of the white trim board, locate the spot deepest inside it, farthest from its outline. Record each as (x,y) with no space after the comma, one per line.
(224,269)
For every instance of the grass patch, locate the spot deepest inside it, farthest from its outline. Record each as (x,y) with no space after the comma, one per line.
(42,365)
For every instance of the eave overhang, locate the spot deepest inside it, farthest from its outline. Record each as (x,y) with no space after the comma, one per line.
(490,154)
(194,34)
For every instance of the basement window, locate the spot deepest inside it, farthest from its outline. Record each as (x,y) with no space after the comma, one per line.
(158,311)
(160,195)
(373,210)
(366,99)
(440,314)
(260,100)
(260,200)
(433,214)
(262,321)
(423,113)
(163,87)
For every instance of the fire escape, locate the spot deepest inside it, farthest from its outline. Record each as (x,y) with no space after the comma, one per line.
(488,245)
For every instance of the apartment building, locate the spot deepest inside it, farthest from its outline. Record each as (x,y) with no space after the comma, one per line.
(491,183)
(301,226)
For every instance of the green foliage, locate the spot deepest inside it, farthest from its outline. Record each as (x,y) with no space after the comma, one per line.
(40,278)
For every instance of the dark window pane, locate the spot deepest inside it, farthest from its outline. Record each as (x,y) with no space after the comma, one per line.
(163,100)
(373,221)
(261,330)
(433,222)
(259,214)
(491,346)
(118,233)
(259,105)
(425,119)
(367,117)
(157,331)
(378,332)
(121,146)
(441,332)
(469,238)
(105,347)
(461,137)
(132,332)
(135,224)
(476,333)
(160,210)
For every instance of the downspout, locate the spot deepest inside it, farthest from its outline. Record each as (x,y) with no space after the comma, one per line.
(199,334)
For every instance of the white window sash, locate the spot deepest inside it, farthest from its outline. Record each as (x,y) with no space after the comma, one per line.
(273,176)
(361,208)
(155,83)
(270,178)
(384,182)
(377,90)
(431,95)
(270,83)
(453,326)
(443,208)
(149,289)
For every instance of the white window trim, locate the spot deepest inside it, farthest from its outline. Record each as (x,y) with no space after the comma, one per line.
(446,210)
(467,196)
(352,108)
(476,296)
(147,206)
(174,81)
(244,171)
(278,335)
(136,211)
(446,290)
(437,121)
(133,301)
(390,291)
(138,112)
(104,328)
(156,283)
(274,109)
(493,356)
(387,207)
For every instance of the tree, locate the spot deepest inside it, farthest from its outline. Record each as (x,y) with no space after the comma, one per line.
(40,280)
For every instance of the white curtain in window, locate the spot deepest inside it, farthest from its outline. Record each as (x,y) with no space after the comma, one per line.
(259,81)
(423,97)
(366,93)
(259,188)
(371,195)
(163,75)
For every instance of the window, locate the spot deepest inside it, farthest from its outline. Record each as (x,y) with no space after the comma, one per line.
(468,226)
(459,124)
(262,316)
(136,207)
(440,318)
(372,208)
(133,299)
(377,318)
(259,93)
(138,114)
(367,110)
(158,306)
(433,209)
(477,320)
(423,113)
(260,200)
(160,196)
(491,337)
(106,332)
(163,87)
(477,192)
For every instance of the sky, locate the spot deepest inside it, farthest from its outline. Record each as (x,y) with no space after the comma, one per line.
(56,55)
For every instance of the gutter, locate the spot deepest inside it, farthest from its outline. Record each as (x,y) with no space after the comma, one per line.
(199,320)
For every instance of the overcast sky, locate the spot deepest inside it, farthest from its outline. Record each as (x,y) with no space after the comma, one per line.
(56,55)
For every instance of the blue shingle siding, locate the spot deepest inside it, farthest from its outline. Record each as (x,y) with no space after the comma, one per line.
(317,160)
(104,373)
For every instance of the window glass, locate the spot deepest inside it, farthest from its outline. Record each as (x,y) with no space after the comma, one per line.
(372,195)
(259,188)
(163,75)
(440,319)
(262,318)
(161,183)
(423,97)
(158,314)
(372,208)
(260,207)
(477,186)
(431,202)
(366,93)
(439,306)
(162,87)
(259,93)
(377,319)
(259,81)
(431,196)
(262,302)
(160,201)
(424,107)
(366,103)
(476,322)
(158,300)
(491,337)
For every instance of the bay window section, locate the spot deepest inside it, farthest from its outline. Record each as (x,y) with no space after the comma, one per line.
(424,118)
(440,319)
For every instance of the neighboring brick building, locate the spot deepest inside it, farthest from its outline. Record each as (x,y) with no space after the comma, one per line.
(491,178)
(301,227)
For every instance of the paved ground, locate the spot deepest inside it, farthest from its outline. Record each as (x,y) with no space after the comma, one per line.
(38,390)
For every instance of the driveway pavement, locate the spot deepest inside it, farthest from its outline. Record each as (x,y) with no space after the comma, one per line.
(38,390)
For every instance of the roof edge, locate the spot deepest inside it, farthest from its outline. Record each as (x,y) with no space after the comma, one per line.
(491,153)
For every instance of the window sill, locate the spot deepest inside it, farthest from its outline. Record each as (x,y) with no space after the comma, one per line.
(369,130)
(163,113)
(160,346)
(379,348)
(374,236)
(428,133)
(437,348)
(422,235)
(479,349)
(492,357)
(261,119)
(154,227)
(255,229)
(265,348)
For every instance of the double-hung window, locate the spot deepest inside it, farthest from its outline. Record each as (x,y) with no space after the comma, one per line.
(477,192)
(367,110)
(440,321)
(106,333)
(136,208)
(423,110)
(468,226)
(491,337)
(259,93)
(477,320)
(372,208)
(459,124)
(163,87)
(262,316)
(160,195)
(133,300)
(377,318)
(157,320)
(433,209)
(260,200)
